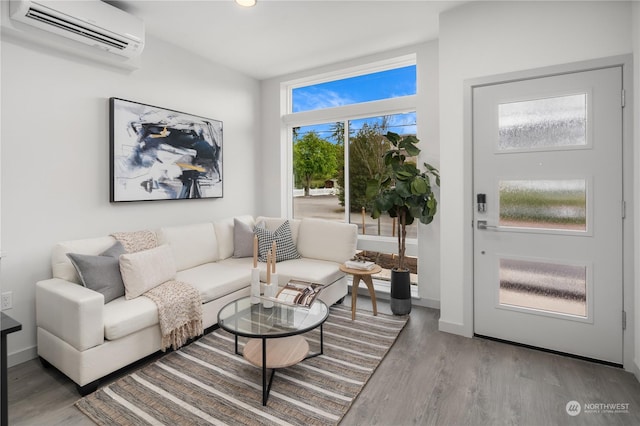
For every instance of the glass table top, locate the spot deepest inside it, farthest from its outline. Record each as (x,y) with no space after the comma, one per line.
(243,318)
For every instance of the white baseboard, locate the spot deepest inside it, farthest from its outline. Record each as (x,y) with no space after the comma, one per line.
(382,289)
(636,369)
(24,355)
(427,303)
(453,328)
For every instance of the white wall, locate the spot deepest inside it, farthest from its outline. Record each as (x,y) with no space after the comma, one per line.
(487,38)
(274,167)
(636,129)
(55,155)
(428,119)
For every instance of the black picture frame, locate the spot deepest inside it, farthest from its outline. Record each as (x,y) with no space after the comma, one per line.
(162,154)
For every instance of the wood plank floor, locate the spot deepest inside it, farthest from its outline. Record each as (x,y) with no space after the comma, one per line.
(427,378)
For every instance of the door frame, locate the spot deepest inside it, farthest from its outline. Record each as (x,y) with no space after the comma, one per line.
(629,164)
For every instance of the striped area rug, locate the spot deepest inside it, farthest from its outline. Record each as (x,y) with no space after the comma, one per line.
(206,383)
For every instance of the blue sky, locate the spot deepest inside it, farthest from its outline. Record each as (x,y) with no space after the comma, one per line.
(370,87)
(381,85)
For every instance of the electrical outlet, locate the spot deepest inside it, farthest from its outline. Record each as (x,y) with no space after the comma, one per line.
(6,301)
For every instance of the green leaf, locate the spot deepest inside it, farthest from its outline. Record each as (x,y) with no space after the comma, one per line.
(426,219)
(387,158)
(411,149)
(394,138)
(375,213)
(419,186)
(416,211)
(403,189)
(404,175)
(409,219)
(385,201)
(411,168)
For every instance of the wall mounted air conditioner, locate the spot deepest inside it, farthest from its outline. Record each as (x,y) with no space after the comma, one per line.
(90,22)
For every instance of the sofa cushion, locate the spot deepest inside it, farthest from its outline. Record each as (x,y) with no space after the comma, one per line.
(332,241)
(313,270)
(102,272)
(214,280)
(243,237)
(146,269)
(192,245)
(123,317)
(285,247)
(273,223)
(61,265)
(225,230)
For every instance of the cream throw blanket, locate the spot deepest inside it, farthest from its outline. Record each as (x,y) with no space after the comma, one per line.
(179,304)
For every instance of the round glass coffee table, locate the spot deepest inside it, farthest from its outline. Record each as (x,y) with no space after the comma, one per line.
(275,333)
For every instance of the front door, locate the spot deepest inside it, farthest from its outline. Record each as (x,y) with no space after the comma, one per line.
(549,209)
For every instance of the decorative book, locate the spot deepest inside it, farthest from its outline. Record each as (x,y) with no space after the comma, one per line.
(364,265)
(298,293)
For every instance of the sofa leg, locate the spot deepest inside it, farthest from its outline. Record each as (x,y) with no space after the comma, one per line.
(339,301)
(45,364)
(88,388)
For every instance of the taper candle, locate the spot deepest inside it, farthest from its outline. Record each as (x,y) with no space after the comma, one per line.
(269,267)
(273,257)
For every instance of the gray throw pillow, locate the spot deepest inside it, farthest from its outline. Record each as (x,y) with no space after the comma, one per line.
(285,247)
(101,273)
(242,239)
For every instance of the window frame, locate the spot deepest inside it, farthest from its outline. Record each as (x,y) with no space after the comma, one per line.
(345,113)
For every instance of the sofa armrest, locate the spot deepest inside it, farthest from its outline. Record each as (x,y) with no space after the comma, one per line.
(71,312)
(327,240)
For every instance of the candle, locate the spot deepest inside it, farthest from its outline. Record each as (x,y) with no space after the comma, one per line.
(273,257)
(269,267)
(255,251)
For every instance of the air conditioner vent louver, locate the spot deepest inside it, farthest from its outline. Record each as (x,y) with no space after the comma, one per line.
(105,28)
(69,26)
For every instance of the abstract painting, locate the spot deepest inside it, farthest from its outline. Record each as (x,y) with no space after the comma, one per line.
(162,154)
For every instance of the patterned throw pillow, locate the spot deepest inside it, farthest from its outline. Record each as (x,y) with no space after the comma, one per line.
(285,247)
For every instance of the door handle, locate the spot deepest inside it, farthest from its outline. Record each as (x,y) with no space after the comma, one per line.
(482,224)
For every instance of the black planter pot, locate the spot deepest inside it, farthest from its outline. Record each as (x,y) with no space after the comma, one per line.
(400,292)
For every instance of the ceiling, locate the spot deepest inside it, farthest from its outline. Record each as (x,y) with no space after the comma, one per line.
(278,37)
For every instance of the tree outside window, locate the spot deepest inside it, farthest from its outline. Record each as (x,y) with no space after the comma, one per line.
(314,159)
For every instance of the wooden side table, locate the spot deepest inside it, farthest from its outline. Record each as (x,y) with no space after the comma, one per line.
(365,276)
(8,325)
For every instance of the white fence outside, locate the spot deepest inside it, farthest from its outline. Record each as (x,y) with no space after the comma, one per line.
(315,191)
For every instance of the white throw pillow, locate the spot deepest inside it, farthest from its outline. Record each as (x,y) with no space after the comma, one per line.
(146,269)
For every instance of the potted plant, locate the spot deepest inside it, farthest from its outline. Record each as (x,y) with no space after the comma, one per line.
(405,193)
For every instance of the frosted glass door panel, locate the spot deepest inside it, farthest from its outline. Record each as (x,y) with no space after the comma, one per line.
(544,204)
(543,123)
(544,286)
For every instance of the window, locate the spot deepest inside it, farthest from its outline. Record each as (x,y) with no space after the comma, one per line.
(333,158)
(375,86)
(555,122)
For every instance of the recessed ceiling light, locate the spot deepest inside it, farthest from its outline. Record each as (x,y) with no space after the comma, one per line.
(246,3)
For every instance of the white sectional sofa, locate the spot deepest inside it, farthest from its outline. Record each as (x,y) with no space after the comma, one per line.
(87,339)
